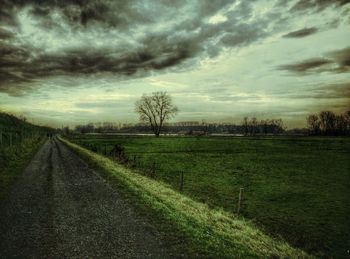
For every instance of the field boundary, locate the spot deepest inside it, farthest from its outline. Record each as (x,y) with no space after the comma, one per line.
(215,233)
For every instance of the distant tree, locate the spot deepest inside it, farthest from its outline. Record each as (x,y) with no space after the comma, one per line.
(313,124)
(347,115)
(347,119)
(155,109)
(253,126)
(66,130)
(340,125)
(88,128)
(245,124)
(327,122)
(277,126)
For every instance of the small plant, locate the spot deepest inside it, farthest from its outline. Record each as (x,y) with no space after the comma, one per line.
(118,153)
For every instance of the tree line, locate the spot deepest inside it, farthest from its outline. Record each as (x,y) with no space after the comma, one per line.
(253,126)
(248,127)
(328,123)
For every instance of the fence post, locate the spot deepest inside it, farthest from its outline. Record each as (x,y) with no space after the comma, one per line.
(182,181)
(240,197)
(134,162)
(153,173)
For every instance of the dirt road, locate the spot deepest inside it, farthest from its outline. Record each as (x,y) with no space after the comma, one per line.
(62,209)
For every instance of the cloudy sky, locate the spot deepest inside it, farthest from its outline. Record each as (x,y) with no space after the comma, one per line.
(69,62)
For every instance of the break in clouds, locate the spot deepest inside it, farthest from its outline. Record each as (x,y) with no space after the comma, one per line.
(43,39)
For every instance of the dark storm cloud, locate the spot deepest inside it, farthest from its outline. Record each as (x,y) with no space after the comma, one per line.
(5,34)
(316,5)
(187,36)
(306,65)
(301,33)
(336,90)
(78,12)
(342,59)
(336,62)
(170,47)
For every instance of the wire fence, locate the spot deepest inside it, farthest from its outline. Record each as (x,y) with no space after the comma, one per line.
(11,138)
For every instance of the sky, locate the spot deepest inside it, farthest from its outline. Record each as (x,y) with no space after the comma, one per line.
(71,62)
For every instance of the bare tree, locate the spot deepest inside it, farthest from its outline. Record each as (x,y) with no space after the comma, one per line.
(327,119)
(313,123)
(329,123)
(341,124)
(155,109)
(253,126)
(347,119)
(245,124)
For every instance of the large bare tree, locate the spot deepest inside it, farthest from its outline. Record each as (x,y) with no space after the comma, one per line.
(155,109)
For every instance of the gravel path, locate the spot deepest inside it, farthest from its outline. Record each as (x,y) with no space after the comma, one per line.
(62,209)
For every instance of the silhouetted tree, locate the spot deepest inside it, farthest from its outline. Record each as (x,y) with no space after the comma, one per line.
(327,122)
(245,125)
(347,119)
(340,125)
(253,126)
(155,109)
(313,124)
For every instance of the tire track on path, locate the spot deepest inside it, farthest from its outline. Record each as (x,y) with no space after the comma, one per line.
(60,208)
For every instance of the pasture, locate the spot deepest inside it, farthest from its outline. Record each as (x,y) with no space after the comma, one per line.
(296,188)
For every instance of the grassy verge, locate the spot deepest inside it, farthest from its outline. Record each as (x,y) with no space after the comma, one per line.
(13,161)
(212,233)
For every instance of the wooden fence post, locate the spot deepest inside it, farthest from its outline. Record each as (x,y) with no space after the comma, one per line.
(182,181)
(240,197)
(134,162)
(153,172)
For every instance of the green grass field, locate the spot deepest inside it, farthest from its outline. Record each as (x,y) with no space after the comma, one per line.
(296,188)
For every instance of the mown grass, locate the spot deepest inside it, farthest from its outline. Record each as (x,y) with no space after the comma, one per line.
(296,188)
(211,232)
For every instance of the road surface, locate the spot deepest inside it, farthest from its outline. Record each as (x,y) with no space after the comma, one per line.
(60,208)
